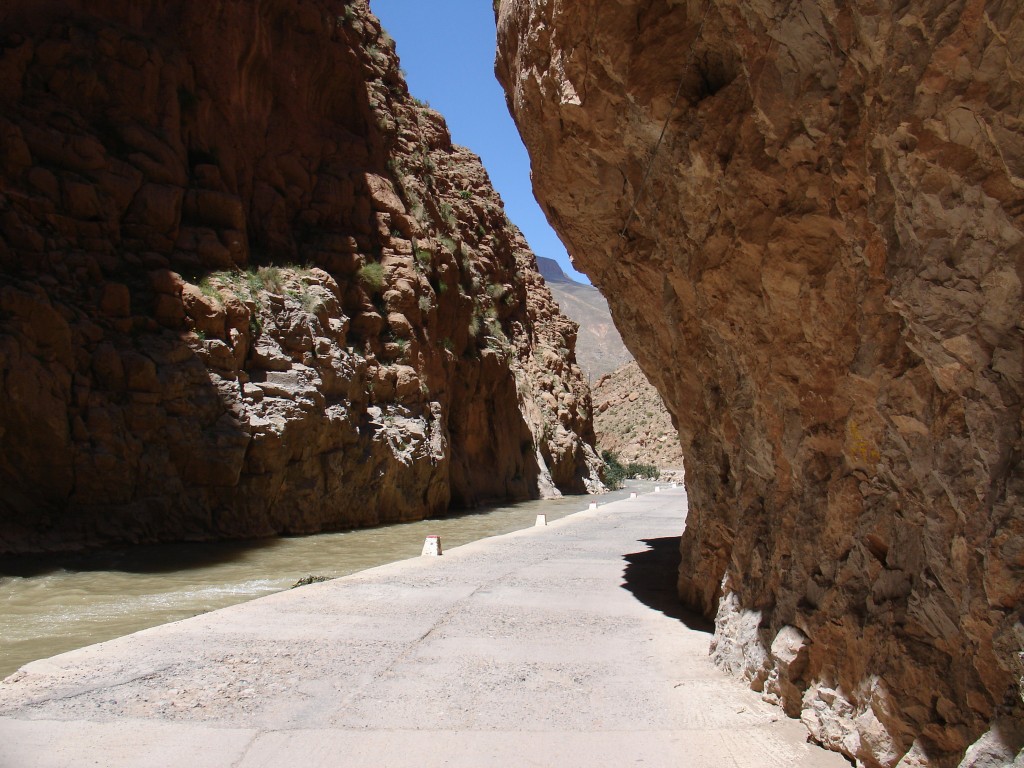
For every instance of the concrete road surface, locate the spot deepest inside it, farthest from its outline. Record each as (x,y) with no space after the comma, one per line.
(545,647)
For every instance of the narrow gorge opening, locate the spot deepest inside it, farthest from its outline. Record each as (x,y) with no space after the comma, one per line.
(252,288)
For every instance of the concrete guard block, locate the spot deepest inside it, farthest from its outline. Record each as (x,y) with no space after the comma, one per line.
(431,547)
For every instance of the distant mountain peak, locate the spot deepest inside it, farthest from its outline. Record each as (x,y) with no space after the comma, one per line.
(552,271)
(599,348)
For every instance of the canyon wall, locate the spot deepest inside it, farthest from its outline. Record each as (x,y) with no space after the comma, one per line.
(631,420)
(249,286)
(808,218)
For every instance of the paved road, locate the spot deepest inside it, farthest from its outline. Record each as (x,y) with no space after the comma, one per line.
(545,647)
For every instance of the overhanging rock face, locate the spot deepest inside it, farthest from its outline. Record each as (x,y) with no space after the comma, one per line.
(808,219)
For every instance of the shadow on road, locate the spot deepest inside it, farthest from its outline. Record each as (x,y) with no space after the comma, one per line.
(651,576)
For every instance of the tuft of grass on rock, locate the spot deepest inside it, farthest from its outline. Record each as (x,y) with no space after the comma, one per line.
(209,289)
(372,276)
(448,215)
(269,279)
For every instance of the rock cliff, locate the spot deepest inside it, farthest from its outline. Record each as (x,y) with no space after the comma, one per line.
(631,421)
(249,286)
(808,218)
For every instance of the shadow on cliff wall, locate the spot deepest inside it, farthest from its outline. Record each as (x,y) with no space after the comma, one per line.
(651,576)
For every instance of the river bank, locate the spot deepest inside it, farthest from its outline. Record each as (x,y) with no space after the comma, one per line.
(52,604)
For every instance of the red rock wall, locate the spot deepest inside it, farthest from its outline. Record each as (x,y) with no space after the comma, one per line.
(821,272)
(247,285)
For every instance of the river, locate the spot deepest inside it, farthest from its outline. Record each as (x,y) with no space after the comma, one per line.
(56,603)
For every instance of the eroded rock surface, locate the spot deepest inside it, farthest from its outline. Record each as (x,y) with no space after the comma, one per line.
(248,285)
(631,421)
(819,265)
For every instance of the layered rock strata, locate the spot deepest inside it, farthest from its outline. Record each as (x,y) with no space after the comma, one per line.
(808,218)
(249,286)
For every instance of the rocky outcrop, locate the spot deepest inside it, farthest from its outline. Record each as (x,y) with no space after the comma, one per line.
(808,218)
(631,421)
(248,285)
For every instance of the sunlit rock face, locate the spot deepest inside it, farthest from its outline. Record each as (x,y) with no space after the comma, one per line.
(822,276)
(248,285)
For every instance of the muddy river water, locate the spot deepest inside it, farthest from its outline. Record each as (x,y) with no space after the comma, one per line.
(53,604)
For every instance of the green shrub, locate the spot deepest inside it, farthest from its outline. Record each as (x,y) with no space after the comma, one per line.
(415,204)
(252,281)
(372,276)
(637,470)
(208,289)
(448,215)
(496,332)
(613,474)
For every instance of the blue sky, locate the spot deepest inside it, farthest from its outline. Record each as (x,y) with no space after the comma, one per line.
(447,52)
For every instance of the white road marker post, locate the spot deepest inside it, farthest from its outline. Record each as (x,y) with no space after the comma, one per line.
(542,520)
(431,547)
